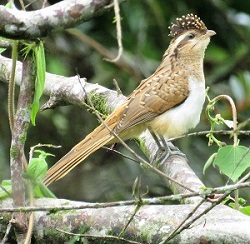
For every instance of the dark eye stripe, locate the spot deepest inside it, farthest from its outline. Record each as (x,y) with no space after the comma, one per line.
(182,42)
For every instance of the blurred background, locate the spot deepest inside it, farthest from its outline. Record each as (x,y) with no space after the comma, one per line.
(106,176)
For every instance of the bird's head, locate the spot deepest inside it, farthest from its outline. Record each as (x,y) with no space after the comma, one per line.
(190,36)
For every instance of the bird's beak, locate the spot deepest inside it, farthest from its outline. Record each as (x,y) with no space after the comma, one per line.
(210,33)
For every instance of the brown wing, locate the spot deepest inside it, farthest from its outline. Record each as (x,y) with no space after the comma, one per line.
(153,97)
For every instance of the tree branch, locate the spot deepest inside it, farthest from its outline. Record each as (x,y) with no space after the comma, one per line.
(17,24)
(151,224)
(19,134)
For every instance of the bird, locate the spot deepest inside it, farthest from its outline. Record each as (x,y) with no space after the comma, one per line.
(168,103)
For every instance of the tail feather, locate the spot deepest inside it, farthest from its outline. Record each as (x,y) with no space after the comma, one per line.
(95,140)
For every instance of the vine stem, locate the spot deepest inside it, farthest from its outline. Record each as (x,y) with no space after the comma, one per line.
(118,32)
(234,114)
(11,92)
(235,136)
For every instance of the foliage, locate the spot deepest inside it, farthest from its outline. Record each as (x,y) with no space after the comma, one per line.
(36,171)
(231,161)
(38,54)
(6,189)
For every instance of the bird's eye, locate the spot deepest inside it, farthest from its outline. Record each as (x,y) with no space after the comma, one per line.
(191,36)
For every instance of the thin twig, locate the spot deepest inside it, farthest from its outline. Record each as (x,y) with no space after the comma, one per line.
(122,154)
(179,228)
(45,2)
(31,152)
(234,114)
(118,89)
(6,234)
(22,4)
(145,201)
(189,222)
(118,32)
(11,92)
(32,214)
(121,63)
(205,132)
(139,204)
(245,178)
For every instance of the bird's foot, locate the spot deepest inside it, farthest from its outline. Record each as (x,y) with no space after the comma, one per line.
(165,150)
(173,150)
(163,153)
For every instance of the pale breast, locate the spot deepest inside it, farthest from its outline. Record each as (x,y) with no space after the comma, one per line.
(180,119)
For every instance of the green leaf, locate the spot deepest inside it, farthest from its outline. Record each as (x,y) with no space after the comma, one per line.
(6,189)
(241,203)
(39,86)
(209,162)
(245,210)
(38,167)
(233,161)
(37,191)
(43,191)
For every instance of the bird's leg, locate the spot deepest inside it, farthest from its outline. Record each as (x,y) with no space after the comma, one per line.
(164,148)
(172,150)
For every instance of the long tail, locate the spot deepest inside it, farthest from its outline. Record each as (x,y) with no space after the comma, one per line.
(92,142)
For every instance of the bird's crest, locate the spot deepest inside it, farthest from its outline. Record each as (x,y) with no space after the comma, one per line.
(186,22)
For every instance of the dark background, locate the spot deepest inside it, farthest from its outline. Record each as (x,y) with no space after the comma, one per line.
(106,176)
